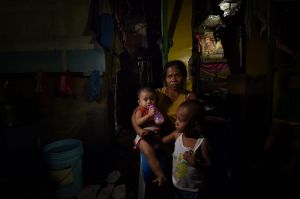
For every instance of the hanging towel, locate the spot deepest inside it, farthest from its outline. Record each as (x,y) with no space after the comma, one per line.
(95,85)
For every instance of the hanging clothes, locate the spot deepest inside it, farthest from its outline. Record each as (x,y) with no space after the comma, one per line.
(100,24)
(64,86)
(42,88)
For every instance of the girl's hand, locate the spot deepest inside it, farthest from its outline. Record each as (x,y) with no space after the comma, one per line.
(189,156)
(143,132)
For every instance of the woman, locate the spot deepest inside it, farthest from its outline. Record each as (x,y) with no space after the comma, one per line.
(169,98)
(173,93)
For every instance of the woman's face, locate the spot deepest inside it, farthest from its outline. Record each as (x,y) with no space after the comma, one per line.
(174,78)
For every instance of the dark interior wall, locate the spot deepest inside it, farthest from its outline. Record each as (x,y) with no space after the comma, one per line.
(48,36)
(26,126)
(57,117)
(74,60)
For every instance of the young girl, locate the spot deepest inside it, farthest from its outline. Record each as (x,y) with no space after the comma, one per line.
(144,117)
(187,177)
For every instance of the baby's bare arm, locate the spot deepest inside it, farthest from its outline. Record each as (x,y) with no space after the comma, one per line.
(140,119)
(140,131)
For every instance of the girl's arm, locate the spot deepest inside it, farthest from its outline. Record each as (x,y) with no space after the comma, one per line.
(205,154)
(200,158)
(171,137)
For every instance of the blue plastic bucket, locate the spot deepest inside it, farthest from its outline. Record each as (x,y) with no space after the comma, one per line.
(63,160)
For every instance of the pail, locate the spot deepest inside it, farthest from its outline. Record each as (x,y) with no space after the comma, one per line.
(63,161)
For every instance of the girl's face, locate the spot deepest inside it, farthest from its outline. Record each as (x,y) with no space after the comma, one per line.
(174,78)
(185,124)
(182,119)
(146,98)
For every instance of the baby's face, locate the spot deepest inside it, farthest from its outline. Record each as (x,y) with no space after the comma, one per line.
(146,98)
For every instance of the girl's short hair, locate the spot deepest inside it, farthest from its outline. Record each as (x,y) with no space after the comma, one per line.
(196,109)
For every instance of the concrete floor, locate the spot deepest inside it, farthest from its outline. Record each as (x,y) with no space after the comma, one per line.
(23,172)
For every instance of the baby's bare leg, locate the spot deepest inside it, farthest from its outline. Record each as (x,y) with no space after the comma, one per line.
(148,150)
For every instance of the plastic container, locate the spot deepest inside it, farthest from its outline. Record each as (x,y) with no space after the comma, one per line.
(158,117)
(63,161)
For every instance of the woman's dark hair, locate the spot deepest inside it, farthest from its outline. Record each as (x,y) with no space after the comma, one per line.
(179,65)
